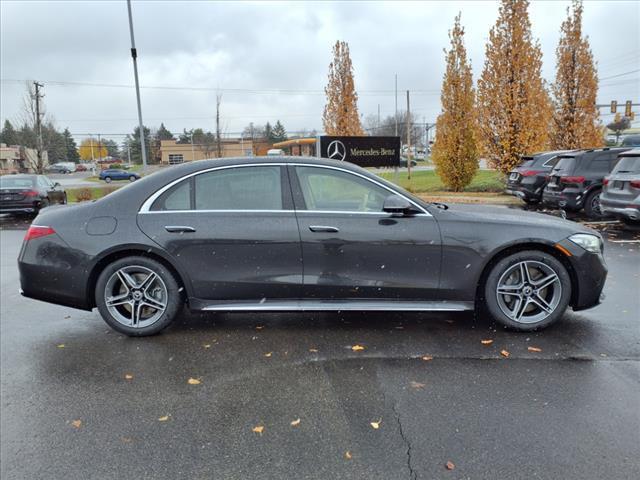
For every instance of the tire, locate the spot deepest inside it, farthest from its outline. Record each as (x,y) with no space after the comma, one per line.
(107,179)
(592,205)
(44,203)
(132,178)
(122,284)
(508,273)
(530,201)
(64,200)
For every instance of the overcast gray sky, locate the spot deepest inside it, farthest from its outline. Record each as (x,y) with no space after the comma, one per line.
(275,54)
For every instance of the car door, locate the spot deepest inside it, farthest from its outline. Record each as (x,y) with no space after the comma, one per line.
(351,248)
(233,229)
(55,193)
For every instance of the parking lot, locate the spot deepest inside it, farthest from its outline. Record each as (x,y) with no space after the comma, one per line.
(322,395)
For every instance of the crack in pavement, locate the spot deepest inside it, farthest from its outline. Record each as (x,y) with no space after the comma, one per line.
(412,474)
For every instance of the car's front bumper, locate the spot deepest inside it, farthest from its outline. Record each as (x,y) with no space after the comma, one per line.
(590,274)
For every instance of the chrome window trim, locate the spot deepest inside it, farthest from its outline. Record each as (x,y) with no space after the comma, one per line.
(146,206)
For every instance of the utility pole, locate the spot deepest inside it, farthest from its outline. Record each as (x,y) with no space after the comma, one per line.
(218,142)
(40,166)
(134,56)
(396,114)
(93,159)
(378,125)
(408,139)
(99,148)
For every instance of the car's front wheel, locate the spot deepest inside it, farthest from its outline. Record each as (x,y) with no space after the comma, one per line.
(107,179)
(528,290)
(137,296)
(132,178)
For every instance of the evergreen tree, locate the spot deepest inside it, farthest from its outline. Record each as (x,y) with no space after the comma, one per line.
(575,117)
(268,132)
(340,115)
(9,136)
(71,147)
(163,133)
(279,133)
(112,148)
(133,143)
(513,105)
(455,153)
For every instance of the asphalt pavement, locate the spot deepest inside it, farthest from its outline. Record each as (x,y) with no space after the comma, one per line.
(281,396)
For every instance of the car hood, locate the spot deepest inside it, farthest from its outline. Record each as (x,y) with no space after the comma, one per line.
(504,217)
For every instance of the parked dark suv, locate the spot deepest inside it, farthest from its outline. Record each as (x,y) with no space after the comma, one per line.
(528,179)
(576,180)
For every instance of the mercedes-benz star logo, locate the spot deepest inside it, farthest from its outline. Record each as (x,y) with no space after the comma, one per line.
(336,150)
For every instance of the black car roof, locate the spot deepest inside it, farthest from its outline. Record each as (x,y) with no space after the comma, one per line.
(580,153)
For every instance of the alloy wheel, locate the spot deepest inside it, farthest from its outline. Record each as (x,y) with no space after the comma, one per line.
(135,296)
(529,291)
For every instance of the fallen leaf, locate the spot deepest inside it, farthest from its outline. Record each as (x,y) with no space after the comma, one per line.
(67,316)
(450,465)
(193,381)
(486,342)
(504,353)
(259,327)
(347,455)
(534,349)
(126,439)
(258,429)
(376,425)
(208,345)
(268,354)
(295,423)
(163,418)
(61,345)
(357,348)
(77,423)
(417,385)
(128,376)
(427,358)
(313,350)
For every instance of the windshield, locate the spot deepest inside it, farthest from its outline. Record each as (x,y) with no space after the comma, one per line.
(16,182)
(564,164)
(631,141)
(628,165)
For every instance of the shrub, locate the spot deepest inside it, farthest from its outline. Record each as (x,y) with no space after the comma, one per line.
(116,165)
(107,190)
(84,194)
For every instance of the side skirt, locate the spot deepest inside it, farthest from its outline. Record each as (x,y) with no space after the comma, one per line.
(330,305)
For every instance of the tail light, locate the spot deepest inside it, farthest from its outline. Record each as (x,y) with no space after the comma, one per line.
(579,179)
(605,181)
(37,231)
(530,173)
(635,183)
(30,193)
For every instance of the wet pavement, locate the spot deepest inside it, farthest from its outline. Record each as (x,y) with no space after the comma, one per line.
(80,401)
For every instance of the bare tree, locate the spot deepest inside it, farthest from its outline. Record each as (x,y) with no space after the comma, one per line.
(32,117)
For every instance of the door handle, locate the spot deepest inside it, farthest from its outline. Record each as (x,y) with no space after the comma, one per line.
(179,228)
(323,228)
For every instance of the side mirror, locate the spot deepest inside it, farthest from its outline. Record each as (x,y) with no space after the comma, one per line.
(398,205)
(56,185)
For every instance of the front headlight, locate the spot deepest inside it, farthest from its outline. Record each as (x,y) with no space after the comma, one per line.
(590,243)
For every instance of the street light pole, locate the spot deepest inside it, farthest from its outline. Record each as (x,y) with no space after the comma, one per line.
(134,55)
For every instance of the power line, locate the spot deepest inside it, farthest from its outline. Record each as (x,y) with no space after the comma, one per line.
(620,74)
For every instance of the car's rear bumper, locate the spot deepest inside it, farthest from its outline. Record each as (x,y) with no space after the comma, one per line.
(52,272)
(620,208)
(563,199)
(21,207)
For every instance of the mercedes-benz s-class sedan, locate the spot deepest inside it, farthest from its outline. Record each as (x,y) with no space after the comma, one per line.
(294,233)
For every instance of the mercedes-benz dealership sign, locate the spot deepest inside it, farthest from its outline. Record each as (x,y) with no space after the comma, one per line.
(363,151)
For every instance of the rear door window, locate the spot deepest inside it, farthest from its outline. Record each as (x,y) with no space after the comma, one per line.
(600,164)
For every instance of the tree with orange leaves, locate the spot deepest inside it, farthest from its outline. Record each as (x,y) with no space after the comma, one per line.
(575,117)
(455,153)
(340,115)
(513,106)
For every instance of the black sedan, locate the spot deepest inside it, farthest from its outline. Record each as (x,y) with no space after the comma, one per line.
(28,193)
(293,233)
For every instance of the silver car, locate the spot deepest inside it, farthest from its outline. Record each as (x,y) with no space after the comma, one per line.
(621,193)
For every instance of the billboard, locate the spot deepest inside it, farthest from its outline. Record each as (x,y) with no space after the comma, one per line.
(363,151)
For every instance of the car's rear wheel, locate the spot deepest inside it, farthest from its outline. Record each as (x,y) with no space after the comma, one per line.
(107,179)
(592,205)
(137,296)
(528,290)
(132,178)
